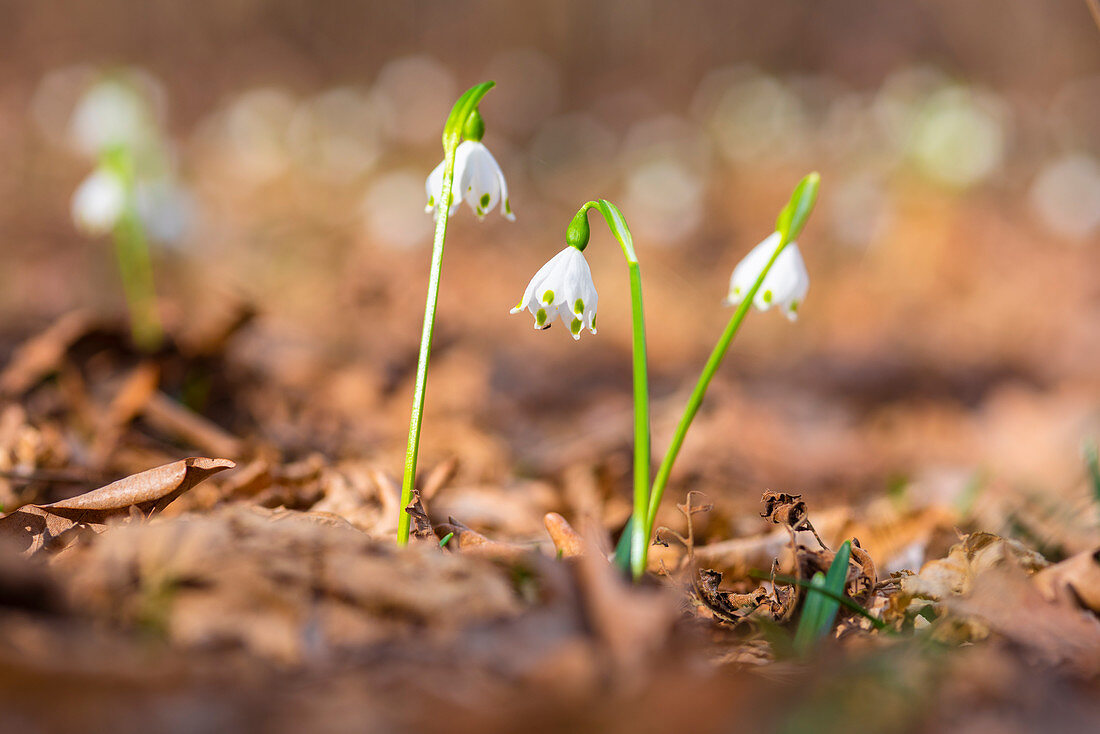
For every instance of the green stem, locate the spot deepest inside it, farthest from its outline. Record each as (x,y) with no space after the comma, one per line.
(638,538)
(639,541)
(696,399)
(135,264)
(443,212)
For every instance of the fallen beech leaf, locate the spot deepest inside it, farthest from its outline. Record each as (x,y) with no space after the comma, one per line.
(165,414)
(474,543)
(566,540)
(38,526)
(954,575)
(150,491)
(1011,604)
(42,354)
(1077,578)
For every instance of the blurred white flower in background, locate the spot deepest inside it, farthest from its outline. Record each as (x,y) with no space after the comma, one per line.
(419,92)
(247,138)
(166,208)
(338,134)
(959,137)
(391,211)
(112,113)
(477,179)
(751,115)
(666,163)
(898,103)
(98,203)
(785,285)
(1066,195)
(562,287)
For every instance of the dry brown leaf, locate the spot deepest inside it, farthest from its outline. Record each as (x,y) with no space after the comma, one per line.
(632,622)
(965,561)
(474,543)
(421,523)
(36,526)
(42,354)
(175,419)
(133,395)
(1076,578)
(1011,604)
(567,541)
(726,606)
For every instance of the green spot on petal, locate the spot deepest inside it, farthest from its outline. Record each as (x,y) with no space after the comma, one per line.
(578,306)
(540,317)
(575,327)
(548,297)
(767,296)
(484,200)
(431,201)
(507,207)
(793,307)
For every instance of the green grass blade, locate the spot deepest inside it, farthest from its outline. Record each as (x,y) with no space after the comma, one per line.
(1092,461)
(819,610)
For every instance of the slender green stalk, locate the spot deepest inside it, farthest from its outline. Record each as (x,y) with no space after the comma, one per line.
(792,218)
(617,224)
(136,270)
(697,394)
(640,540)
(413,449)
(135,263)
(461,112)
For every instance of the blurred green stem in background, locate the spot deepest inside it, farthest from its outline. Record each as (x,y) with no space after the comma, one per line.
(789,224)
(463,109)
(135,263)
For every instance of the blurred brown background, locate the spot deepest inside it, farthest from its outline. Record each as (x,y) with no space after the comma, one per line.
(952,331)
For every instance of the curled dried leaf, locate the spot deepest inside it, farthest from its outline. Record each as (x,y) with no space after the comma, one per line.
(789,511)
(726,606)
(421,523)
(567,541)
(45,526)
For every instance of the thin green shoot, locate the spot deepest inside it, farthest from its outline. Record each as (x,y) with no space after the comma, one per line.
(452,136)
(821,605)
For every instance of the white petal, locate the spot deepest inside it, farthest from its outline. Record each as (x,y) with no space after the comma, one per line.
(481,179)
(433,187)
(787,280)
(98,203)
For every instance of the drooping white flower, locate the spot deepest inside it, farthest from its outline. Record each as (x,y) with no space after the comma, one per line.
(562,287)
(111,113)
(98,203)
(785,284)
(478,179)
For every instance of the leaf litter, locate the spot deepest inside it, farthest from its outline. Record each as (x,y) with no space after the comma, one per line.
(269,588)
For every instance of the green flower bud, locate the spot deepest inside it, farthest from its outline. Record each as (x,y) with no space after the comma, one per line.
(474,129)
(578,232)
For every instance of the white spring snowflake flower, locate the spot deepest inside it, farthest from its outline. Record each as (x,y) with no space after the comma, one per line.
(562,287)
(785,284)
(477,179)
(98,203)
